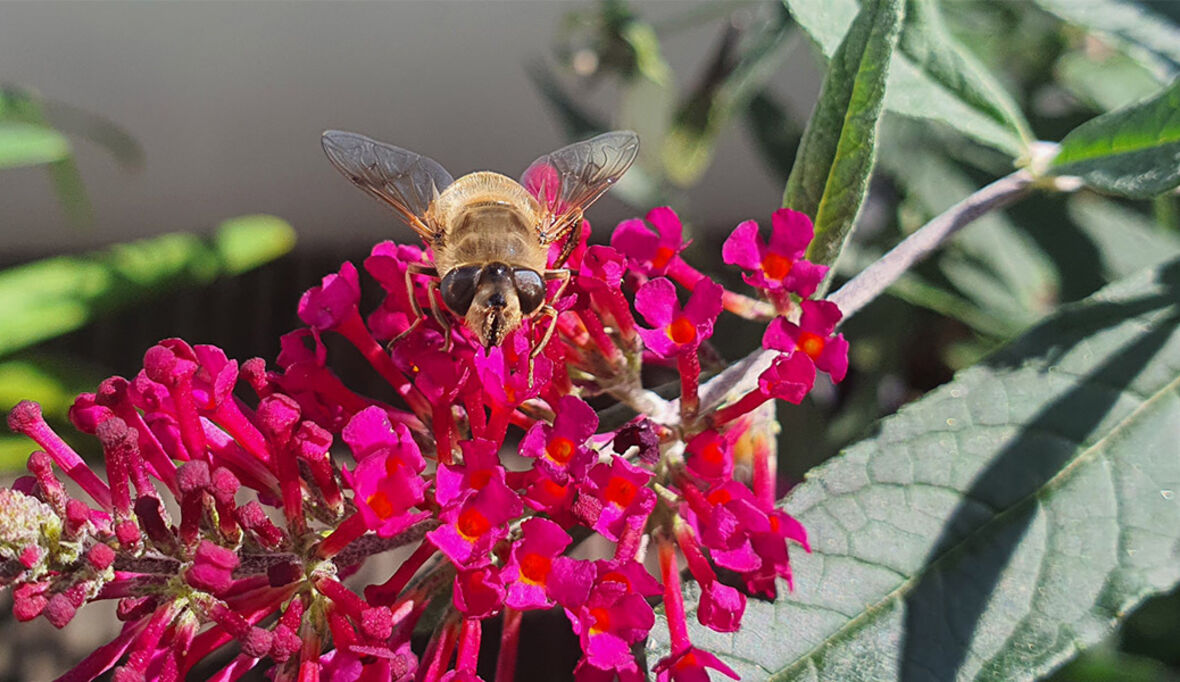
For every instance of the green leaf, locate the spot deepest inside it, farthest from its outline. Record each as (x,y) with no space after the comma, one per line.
(941,62)
(1134,151)
(994,527)
(27,144)
(932,77)
(725,91)
(1141,34)
(50,297)
(838,149)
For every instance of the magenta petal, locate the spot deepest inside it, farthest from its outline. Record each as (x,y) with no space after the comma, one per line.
(804,277)
(575,419)
(704,306)
(834,358)
(657,341)
(326,306)
(780,335)
(633,239)
(743,247)
(667,223)
(819,317)
(656,301)
(570,581)
(791,232)
(789,378)
(721,607)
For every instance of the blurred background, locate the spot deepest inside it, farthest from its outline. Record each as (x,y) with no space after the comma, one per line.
(161,175)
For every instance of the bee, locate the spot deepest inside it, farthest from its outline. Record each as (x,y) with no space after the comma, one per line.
(490,234)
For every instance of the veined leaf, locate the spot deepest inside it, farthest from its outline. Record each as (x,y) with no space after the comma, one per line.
(838,149)
(932,77)
(50,297)
(1134,151)
(1141,34)
(997,525)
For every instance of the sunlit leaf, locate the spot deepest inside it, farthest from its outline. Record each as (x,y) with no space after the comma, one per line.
(1134,151)
(26,144)
(838,149)
(993,527)
(931,77)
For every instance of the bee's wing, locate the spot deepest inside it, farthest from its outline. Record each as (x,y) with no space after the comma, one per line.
(406,181)
(570,179)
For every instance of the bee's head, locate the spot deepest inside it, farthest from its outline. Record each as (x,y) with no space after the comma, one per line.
(493,298)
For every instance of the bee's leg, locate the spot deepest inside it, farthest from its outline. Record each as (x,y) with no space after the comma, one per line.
(564,277)
(433,293)
(419,316)
(571,242)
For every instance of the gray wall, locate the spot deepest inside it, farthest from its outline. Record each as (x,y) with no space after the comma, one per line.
(228,100)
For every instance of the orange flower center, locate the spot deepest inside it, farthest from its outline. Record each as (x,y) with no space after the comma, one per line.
(620,491)
(601,618)
(812,344)
(380,504)
(560,449)
(534,568)
(663,255)
(472,524)
(713,454)
(776,266)
(681,331)
(720,496)
(554,489)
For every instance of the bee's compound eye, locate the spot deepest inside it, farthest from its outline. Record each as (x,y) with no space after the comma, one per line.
(530,289)
(458,288)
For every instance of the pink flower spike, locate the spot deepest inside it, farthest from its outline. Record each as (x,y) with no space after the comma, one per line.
(649,252)
(324,307)
(777,265)
(677,330)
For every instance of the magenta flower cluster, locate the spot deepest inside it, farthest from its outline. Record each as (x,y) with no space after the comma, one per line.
(239,501)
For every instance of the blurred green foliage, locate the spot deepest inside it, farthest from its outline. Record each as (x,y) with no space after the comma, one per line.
(47,298)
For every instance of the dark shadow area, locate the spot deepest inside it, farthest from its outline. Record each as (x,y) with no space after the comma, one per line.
(944,608)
